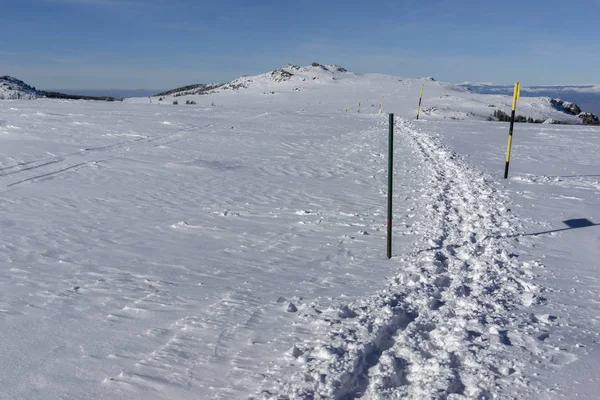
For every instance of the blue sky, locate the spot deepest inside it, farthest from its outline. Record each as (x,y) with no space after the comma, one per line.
(137,44)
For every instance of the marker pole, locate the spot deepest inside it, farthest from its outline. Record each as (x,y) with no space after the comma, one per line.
(390,183)
(420,99)
(516,95)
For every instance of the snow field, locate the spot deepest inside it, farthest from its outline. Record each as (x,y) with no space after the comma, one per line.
(155,253)
(445,325)
(236,248)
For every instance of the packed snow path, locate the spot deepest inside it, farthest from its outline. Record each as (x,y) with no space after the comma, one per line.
(447,324)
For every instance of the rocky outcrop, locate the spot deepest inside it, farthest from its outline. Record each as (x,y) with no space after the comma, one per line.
(317,65)
(14,89)
(571,108)
(281,75)
(589,119)
(565,106)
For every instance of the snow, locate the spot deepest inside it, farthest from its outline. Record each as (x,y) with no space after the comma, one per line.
(293,86)
(554,181)
(236,248)
(454,320)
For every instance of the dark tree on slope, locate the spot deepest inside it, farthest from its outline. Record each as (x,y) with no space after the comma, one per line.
(504,117)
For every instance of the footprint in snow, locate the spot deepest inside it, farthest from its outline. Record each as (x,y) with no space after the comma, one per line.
(303,212)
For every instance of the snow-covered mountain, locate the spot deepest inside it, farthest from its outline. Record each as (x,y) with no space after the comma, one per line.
(292,75)
(14,89)
(344,90)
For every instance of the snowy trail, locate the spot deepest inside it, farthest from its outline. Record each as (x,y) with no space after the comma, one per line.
(446,323)
(554,179)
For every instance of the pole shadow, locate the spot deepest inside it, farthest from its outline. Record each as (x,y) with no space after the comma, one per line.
(574,176)
(576,223)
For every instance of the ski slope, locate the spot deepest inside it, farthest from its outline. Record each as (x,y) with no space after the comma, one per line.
(236,248)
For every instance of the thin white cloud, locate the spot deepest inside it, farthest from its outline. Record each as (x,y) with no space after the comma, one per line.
(102,3)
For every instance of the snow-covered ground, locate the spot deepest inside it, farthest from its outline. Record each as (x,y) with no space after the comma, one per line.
(236,248)
(554,187)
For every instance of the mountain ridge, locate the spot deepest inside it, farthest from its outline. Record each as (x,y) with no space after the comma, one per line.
(12,88)
(450,101)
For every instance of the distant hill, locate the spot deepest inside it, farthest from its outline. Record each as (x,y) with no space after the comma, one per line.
(333,84)
(56,95)
(196,89)
(314,73)
(277,76)
(14,89)
(114,93)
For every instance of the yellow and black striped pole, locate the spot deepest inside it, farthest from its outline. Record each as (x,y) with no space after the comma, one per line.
(420,99)
(516,95)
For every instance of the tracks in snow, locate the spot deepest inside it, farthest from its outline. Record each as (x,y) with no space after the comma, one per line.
(202,341)
(44,168)
(444,326)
